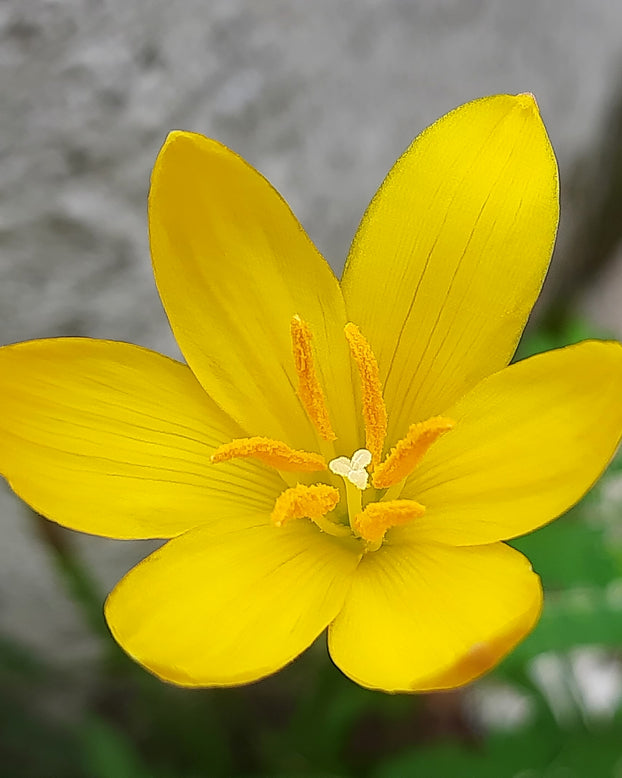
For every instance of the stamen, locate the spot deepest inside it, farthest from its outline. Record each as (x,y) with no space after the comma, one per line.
(308,502)
(270,452)
(374,410)
(309,389)
(378,517)
(410,451)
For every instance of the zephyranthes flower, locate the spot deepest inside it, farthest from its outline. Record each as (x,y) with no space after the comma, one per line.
(349,456)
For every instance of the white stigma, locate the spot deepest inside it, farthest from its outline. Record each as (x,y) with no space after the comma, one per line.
(353,469)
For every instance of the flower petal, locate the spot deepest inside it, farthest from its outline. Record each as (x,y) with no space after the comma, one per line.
(233,266)
(529,441)
(221,605)
(423,617)
(115,440)
(451,254)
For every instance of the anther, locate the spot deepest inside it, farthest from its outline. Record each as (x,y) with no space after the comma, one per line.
(374,410)
(309,502)
(270,452)
(378,517)
(309,389)
(407,454)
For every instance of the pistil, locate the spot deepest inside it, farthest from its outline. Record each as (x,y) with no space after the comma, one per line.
(353,500)
(355,477)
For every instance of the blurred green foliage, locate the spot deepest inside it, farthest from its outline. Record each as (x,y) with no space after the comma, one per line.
(309,720)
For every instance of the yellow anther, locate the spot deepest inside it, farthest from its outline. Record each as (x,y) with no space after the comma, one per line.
(305,502)
(309,389)
(378,517)
(374,411)
(410,451)
(270,452)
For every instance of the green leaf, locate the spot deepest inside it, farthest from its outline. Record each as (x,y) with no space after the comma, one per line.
(570,553)
(540,751)
(586,616)
(109,754)
(571,330)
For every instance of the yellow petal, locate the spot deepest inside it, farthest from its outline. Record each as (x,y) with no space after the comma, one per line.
(221,606)
(233,266)
(529,441)
(451,254)
(423,617)
(115,440)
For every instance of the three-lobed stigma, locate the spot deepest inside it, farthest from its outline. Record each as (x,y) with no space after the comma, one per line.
(354,468)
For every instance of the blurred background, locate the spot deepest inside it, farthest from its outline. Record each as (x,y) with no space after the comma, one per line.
(321,97)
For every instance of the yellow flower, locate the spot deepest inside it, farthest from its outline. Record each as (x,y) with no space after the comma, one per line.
(348,455)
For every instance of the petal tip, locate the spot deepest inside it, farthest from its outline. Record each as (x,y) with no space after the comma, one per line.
(527,101)
(176,138)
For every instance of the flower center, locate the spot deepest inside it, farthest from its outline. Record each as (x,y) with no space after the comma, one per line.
(319,501)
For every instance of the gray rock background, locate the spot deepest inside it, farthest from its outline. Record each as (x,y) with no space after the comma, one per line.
(320,96)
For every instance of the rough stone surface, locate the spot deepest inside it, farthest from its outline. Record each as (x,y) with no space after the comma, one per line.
(320,96)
